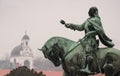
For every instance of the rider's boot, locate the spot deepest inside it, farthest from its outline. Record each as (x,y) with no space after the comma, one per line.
(88,64)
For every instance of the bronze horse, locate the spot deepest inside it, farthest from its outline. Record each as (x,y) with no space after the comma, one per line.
(70,54)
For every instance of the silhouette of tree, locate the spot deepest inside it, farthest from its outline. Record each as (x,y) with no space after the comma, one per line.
(24,71)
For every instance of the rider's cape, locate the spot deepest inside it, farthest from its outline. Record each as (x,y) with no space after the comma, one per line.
(102,36)
(105,40)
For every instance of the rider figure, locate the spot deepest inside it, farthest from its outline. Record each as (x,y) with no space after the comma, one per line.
(92,27)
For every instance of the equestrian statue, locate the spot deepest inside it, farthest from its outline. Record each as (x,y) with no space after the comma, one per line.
(84,57)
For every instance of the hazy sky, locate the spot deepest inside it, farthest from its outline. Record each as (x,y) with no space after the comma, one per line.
(41,20)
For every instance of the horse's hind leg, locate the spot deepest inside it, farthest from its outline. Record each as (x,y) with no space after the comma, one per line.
(108,67)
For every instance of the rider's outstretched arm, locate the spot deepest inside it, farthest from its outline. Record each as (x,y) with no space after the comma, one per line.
(75,26)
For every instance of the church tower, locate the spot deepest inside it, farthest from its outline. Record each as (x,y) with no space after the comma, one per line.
(26,50)
(22,54)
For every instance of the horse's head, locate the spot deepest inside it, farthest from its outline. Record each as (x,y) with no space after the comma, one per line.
(55,48)
(52,54)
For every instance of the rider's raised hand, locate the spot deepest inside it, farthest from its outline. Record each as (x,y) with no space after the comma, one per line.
(62,22)
(67,25)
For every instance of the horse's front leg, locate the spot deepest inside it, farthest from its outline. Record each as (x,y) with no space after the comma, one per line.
(81,73)
(68,74)
(65,74)
(72,71)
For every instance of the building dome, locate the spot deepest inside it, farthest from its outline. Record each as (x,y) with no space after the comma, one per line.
(25,37)
(16,51)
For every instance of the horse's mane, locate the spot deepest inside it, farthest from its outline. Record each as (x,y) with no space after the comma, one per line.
(63,42)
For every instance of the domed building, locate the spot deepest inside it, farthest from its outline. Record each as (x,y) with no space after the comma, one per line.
(22,55)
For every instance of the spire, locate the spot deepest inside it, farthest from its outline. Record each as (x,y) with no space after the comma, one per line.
(25,37)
